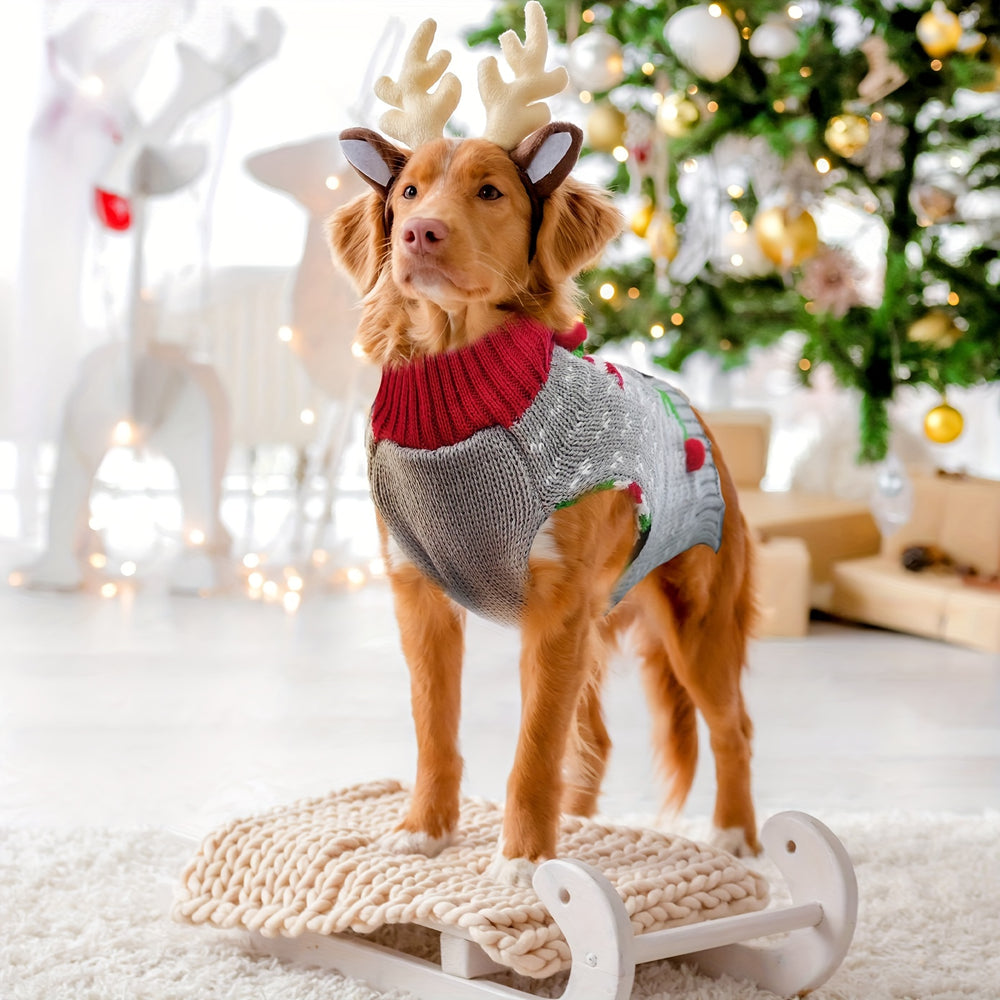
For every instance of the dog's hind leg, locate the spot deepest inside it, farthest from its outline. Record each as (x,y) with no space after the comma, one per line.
(431,628)
(702,633)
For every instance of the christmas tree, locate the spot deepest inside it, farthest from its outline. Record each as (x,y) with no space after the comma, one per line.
(733,131)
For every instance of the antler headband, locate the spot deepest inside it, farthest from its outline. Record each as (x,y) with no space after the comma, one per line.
(513,110)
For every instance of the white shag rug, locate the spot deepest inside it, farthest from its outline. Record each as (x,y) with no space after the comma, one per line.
(84,915)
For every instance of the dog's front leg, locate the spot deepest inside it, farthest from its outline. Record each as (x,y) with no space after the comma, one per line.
(557,657)
(431,628)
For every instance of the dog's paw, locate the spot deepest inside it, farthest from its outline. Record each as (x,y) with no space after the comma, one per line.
(413,842)
(516,872)
(733,840)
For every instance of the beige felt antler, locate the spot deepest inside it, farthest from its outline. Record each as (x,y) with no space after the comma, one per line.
(420,115)
(514,110)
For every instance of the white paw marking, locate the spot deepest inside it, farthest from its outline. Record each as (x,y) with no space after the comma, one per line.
(544,546)
(408,842)
(733,840)
(516,872)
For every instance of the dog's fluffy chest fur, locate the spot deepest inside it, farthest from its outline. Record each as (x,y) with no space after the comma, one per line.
(470,452)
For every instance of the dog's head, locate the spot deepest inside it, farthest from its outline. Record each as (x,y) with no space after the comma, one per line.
(455,233)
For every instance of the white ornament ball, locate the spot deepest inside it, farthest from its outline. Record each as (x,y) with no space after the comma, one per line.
(705,40)
(595,62)
(774,39)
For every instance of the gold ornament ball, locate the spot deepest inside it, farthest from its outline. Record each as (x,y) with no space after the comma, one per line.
(937,328)
(605,128)
(786,235)
(847,134)
(661,237)
(943,423)
(639,223)
(676,115)
(939,31)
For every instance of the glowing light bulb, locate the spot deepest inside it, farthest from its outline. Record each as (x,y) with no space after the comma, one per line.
(256,580)
(291,600)
(333,182)
(358,351)
(355,576)
(109,589)
(308,417)
(98,560)
(92,85)
(607,291)
(285,334)
(123,433)
(128,568)
(251,560)
(823,165)
(656,331)
(620,153)
(196,536)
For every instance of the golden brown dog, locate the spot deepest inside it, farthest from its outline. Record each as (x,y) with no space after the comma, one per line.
(458,237)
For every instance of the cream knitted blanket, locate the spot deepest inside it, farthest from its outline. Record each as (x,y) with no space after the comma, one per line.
(316,866)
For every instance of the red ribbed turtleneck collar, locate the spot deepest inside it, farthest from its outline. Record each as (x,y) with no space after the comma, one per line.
(444,398)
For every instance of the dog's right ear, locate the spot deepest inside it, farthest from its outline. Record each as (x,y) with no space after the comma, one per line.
(359,230)
(376,160)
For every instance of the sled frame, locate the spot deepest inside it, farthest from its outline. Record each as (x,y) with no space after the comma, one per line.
(817,925)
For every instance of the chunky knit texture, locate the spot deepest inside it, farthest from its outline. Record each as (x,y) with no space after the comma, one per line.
(317,866)
(471,451)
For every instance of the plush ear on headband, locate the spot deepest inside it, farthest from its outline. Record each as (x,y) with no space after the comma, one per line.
(377,161)
(544,161)
(548,155)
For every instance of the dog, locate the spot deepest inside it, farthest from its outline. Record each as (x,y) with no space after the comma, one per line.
(465,253)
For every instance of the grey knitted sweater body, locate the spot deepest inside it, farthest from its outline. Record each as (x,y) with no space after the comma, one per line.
(470,452)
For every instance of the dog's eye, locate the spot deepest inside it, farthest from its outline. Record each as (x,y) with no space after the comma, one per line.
(409,191)
(489,193)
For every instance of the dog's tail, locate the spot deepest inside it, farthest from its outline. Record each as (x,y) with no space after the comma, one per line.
(675,727)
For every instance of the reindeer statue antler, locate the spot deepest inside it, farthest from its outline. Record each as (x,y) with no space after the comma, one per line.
(513,110)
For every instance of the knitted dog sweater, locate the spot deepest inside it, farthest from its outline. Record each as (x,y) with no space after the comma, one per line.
(470,451)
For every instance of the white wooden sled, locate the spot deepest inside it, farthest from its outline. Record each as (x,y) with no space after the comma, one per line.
(305,879)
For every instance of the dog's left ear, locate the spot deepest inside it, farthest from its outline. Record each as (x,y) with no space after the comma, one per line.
(548,155)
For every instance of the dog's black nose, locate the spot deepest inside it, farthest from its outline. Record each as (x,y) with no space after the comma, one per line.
(424,236)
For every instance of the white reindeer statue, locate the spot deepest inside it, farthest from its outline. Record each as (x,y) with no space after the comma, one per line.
(139,392)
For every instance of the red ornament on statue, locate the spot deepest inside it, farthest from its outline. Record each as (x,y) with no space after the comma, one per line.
(113,210)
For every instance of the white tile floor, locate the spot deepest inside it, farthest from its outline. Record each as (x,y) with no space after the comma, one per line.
(180,712)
